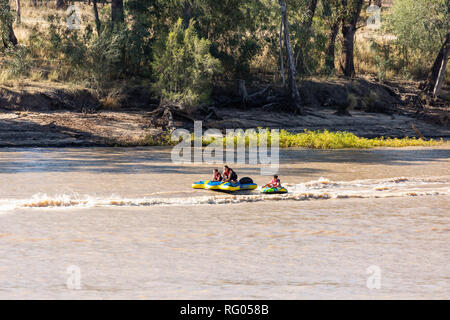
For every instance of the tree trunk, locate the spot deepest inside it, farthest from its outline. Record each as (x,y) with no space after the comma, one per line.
(328,7)
(292,73)
(283,78)
(378,3)
(11,36)
(97,19)
(242,91)
(18,11)
(437,65)
(306,36)
(187,13)
(117,13)
(349,21)
(60,4)
(440,78)
(329,60)
(347,65)
(311,12)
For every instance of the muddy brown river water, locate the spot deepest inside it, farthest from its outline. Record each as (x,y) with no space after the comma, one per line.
(129,224)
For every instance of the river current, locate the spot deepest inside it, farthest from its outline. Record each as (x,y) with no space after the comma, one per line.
(125,223)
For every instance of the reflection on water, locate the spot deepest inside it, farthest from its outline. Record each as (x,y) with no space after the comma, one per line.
(130,221)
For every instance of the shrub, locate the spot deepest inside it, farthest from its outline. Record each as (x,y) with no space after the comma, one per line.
(307,139)
(16,63)
(6,19)
(184,67)
(419,27)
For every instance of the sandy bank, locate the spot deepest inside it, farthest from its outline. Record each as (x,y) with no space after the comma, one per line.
(44,116)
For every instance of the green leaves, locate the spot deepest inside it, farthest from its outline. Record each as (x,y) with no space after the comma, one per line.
(419,25)
(6,19)
(184,67)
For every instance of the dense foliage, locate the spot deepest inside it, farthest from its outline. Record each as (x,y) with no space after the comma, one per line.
(232,39)
(307,139)
(184,67)
(420,27)
(6,19)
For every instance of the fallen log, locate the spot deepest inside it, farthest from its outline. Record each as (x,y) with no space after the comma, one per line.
(245,100)
(169,117)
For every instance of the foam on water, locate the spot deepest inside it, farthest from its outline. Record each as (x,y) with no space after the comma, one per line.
(321,189)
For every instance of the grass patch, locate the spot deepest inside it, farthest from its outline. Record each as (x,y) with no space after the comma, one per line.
(343,140)
(307,139)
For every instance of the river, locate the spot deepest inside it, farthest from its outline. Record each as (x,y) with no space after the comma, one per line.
(125,224)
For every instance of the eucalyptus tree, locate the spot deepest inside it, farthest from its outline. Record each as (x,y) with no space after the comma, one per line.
(117,11)
(352,11)
(18,12)
(232,26)
(292,70)
(98,23)
(61,4)
(307,10)
(421,28)
(6,24)
(332,11)
(439,67)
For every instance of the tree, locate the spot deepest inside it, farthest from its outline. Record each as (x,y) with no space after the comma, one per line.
(350,18)
(306,34)
(230,25)
(420,28)
(332,14)
(378,3)
(97,18)
(6,25)
(184,67)
(311,12)
(60,4)
(437,73)
(187,13)
(18,11)
(331,46)
(292,73)
(117,13)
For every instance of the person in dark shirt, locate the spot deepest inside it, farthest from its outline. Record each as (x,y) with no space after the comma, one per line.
(229,175)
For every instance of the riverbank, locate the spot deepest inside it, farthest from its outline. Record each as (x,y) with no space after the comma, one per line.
(52,115)
(107,128)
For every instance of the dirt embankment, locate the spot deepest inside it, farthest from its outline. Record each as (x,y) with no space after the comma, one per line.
(42,115)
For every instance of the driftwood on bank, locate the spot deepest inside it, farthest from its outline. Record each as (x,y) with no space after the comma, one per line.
(244,100)
(419,135)
(169,116)
(267,99)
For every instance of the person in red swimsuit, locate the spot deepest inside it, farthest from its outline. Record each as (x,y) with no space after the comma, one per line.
(216,175)
(229,175)
(275,183)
